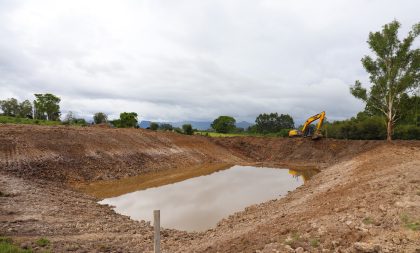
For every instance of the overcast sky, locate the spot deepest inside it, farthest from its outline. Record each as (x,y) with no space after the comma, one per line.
(193,60)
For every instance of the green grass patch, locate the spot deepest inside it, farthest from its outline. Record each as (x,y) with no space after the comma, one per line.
(213,134)
(15,120)
(314,243)
(42,242)
(6,246)
(293,240)
(367,221)
(409,223)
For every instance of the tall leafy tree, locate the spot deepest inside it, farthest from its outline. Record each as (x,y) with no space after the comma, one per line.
(224,124)
(47,106)
(10,107)
(128,119)
(100,118)
(394,70)
(273,123)
(25,109)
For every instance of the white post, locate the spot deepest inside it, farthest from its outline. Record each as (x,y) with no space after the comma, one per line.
(156,224)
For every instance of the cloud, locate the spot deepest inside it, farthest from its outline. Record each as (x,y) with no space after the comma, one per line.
(192,60)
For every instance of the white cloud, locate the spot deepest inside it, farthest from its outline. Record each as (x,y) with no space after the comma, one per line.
(180,60)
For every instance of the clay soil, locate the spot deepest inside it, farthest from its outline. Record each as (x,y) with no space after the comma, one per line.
(365,199)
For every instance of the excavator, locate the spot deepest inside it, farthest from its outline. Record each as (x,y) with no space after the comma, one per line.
(305,132)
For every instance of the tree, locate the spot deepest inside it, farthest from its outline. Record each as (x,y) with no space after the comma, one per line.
(100,118)
(47,106)
(273,123)
(10,107)
(128,119)
(224,124)
(70,118)
(25,109)
(393,72)
(166,127)
(187,129)
(154,126)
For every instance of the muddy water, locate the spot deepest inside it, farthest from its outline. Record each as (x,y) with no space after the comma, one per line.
(198,203)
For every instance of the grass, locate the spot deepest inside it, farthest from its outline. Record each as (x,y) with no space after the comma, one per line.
(15,120)
(314,243)
(213,134)
(6,246)
(367,221)
(409,223)
(218,135)
(294,238)
(42,242)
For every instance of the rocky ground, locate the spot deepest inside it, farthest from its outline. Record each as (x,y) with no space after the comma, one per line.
(366,198)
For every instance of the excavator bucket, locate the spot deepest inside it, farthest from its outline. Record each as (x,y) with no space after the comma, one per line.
(316,136)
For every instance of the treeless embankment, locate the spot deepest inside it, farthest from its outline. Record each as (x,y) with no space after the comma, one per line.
(76,154)
(366,197)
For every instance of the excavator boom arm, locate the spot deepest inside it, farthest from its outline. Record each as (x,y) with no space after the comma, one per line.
(319,116)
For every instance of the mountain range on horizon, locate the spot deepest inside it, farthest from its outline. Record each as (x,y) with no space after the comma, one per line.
(200,125)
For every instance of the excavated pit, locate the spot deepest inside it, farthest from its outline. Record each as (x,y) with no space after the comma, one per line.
(366,195)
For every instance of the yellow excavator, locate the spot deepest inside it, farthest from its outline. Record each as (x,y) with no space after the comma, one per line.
(305,132)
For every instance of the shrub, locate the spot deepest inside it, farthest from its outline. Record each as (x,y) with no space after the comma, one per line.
(42,242)
(154,126)
(187,129)
(166,127)
(407,132)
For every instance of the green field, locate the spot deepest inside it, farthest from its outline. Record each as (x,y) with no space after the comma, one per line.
(217,135)
(213,134)
(15,120)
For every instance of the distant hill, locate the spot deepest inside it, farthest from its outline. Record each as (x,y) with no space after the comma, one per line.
(200,125)
(243,124)
(144,124)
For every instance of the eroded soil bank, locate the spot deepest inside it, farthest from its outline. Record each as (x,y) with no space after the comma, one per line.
(366,198)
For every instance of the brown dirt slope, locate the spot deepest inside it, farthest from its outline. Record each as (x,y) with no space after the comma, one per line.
(87,154)
(298,151)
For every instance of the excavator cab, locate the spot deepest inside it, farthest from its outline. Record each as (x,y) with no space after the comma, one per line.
(306,129)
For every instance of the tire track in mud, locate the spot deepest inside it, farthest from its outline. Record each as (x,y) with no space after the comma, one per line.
(8,153)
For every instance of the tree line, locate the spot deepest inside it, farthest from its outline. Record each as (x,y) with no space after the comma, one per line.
(44,107)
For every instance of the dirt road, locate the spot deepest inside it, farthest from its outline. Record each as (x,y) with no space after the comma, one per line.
(366,198)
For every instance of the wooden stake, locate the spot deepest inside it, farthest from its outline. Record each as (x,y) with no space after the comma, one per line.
(156,224)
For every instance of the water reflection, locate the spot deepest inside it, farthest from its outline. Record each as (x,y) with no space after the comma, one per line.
(304,174)
(199,203)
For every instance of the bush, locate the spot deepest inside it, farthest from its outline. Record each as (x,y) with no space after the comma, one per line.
(360,128)
(154,126)
(178,130)
(187,129)
(42,242)
(166,127)
(407,132)
(283,133)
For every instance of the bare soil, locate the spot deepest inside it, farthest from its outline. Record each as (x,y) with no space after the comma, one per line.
(366,198)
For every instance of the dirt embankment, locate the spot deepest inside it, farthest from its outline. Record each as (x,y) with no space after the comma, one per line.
(299,152)
(63,154)
(69,154)
(366,199)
